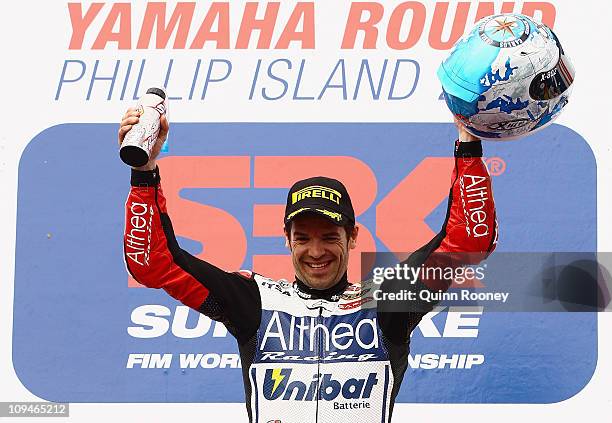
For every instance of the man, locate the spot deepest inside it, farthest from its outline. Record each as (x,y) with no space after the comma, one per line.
(316,349)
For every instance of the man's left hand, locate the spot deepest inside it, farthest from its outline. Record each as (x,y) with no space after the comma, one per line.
(464,135)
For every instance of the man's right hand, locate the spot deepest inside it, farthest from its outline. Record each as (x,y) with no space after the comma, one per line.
(131,118)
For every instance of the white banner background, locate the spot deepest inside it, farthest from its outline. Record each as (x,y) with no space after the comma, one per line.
(35,38)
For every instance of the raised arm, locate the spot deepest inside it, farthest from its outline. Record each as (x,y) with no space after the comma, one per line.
(470,227)
(468,235)
(154,258)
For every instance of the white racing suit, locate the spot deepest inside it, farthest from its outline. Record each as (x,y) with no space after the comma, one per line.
(309,356)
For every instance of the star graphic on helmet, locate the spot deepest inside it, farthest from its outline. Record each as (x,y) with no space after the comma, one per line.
(505,26)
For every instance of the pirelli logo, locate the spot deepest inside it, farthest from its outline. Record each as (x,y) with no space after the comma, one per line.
(316,191)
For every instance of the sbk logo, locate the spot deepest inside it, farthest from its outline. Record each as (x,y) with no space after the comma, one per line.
(400,214)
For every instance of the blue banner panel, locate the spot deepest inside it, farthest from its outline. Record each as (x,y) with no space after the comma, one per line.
(83,334)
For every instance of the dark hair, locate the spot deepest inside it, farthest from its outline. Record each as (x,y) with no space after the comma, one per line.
(348,228)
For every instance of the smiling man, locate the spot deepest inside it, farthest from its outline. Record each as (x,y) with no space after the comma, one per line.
(320,230)
(317,349)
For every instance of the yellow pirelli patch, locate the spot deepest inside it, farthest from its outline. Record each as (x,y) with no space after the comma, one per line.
(316,191)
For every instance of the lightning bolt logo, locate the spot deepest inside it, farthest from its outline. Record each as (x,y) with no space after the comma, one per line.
(277,377)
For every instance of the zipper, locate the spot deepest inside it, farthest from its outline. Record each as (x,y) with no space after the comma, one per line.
(319,355)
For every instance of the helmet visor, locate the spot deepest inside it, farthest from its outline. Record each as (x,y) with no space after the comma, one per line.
(554,82)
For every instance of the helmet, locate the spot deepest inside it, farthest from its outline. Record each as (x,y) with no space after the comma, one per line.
(507,78)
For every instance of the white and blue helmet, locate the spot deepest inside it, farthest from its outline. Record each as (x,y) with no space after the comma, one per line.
(508,77)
